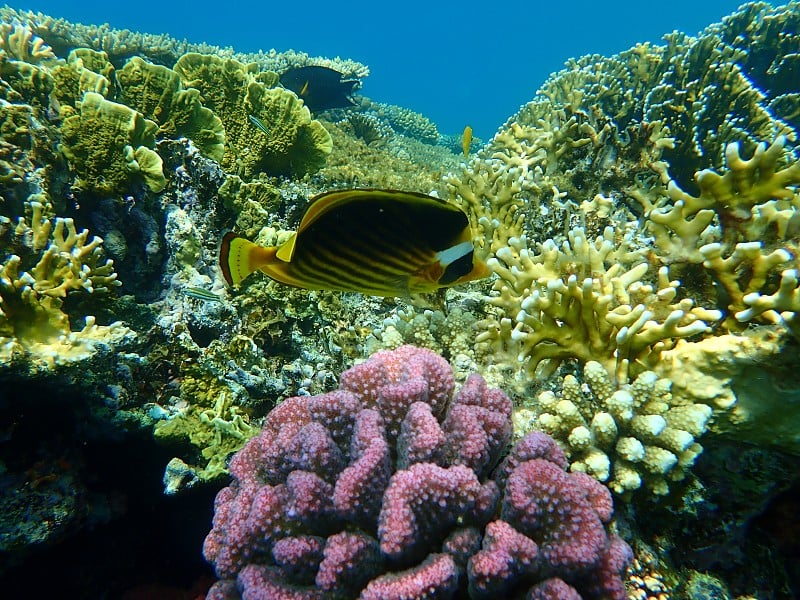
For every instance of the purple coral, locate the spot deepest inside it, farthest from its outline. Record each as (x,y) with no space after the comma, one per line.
(390,488)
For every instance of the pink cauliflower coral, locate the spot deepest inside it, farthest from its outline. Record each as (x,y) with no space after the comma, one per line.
(390,487)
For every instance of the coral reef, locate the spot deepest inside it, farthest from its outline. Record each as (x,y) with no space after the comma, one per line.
(630,436)
(120,44)
(291,141)
(54,259)
(156,92)
(326,500)
(640,215)
(405,121)
(607,183)
(581,302)
(109,146)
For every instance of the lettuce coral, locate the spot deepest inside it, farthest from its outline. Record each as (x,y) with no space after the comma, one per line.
(292,142)
(109,145)
(156,92)
(84,71)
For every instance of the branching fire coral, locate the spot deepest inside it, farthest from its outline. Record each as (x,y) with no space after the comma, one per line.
(580,301)
(54,259)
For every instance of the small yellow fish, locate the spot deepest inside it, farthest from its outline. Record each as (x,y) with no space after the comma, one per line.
(377,242)
(466,140)
(304,89)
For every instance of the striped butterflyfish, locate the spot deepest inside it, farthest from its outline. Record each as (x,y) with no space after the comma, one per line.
(377,242)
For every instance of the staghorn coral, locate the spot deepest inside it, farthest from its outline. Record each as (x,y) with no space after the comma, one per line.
(54,259)
(109,145)
(630,436)
(326,501)
(295,143)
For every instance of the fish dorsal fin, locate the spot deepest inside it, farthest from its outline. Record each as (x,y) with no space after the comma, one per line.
(286,249)
(328,201)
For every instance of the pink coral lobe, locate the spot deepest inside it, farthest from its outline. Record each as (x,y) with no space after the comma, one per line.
(387,489)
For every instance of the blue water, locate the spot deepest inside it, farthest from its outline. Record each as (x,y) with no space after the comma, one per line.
(457,63)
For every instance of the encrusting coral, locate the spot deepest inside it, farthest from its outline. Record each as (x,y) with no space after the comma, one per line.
(382,489)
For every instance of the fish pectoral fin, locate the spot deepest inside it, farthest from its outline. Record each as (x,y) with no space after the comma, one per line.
(286,249)
(426,279)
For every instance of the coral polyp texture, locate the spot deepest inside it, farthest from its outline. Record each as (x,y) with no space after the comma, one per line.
(618,226)
(630,436)
(109,146)
(390,487)
(580,301)
(291,142)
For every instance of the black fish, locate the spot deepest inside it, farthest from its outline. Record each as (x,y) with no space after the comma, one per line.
(320,87)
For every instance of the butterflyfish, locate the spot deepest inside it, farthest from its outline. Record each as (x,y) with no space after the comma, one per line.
(466,140)
(377,242)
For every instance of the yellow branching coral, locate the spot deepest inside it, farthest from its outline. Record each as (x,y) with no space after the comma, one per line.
(580,301)
(629,436)
(736,226)
(18,42)
(109,145)
(59,260)
(747,198)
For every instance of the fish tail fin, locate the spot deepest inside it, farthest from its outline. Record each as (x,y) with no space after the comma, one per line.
(239,257)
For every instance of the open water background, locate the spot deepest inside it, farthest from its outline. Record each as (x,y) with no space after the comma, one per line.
(458,63)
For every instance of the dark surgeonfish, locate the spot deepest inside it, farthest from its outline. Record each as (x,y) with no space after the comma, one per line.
(377,242)
(320,87)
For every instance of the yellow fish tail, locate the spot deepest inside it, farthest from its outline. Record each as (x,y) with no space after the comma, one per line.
(238,258)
